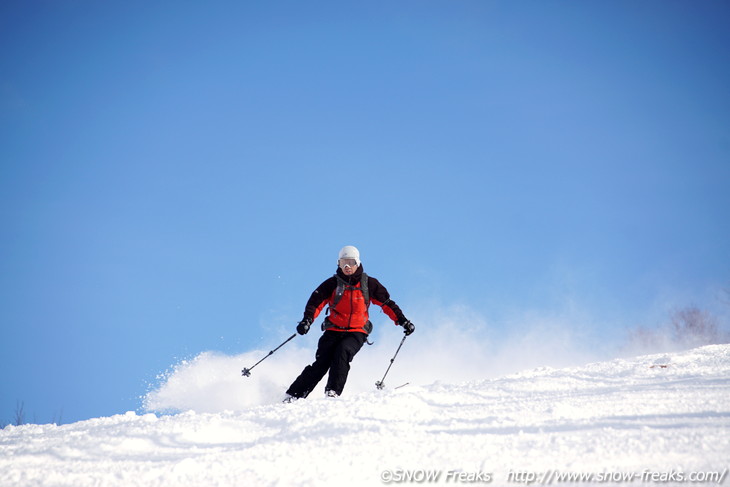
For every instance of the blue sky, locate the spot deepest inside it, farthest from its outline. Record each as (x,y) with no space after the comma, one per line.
(177,177)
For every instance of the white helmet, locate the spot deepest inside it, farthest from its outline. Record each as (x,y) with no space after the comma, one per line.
(350,252)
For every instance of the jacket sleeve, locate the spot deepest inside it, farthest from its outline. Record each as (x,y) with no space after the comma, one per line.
(319,298)
(379,295)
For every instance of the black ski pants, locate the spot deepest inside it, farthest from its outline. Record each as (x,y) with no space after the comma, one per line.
(335,351)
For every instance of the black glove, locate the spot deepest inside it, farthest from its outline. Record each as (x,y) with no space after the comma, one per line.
(303,326)
(408,327)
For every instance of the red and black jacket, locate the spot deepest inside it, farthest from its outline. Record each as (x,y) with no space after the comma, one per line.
(350,313)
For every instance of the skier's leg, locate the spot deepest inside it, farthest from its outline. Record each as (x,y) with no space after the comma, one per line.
(342,355)
(312,374)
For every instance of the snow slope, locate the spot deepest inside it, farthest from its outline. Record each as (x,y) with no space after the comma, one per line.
(658,418)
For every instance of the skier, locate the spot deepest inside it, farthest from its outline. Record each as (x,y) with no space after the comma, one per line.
(346,328)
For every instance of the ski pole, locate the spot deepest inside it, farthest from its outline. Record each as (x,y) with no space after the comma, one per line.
(246,372)
(380,384)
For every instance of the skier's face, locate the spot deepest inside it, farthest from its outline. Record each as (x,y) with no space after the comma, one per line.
(348,266)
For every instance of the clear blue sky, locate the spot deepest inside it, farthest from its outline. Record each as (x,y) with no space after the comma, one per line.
(178,176)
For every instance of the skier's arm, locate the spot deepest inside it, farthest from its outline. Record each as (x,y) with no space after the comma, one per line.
(379,295)
(319,298)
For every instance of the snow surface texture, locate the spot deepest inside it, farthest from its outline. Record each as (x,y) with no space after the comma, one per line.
(665,416)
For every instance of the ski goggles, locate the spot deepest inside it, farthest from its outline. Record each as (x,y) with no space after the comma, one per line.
(348,263)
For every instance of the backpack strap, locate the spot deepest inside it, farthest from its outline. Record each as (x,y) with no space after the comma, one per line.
(342,285)
(364,289)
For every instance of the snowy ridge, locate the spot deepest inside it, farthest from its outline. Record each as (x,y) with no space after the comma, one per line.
(652,419)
